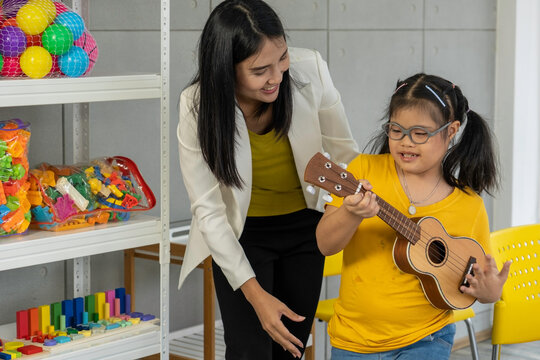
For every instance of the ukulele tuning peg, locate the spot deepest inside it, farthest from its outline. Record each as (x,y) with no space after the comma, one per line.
(326,155)
(310,189)
(327,198)
(343,165)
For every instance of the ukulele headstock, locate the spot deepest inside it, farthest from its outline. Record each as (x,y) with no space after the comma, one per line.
(323,173)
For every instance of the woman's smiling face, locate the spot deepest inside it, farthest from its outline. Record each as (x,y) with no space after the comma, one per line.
(258,77)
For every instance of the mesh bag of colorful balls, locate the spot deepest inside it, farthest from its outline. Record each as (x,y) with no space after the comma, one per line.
(44,39)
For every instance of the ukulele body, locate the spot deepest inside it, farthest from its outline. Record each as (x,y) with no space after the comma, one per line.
(438,260)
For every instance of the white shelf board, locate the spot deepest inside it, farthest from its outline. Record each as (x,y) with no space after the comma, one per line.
(26,92)
(122,344)
(41,246)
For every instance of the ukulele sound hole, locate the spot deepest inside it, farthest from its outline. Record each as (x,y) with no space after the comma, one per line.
(436,252)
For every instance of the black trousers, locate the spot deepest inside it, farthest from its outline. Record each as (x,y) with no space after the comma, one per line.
(288,264)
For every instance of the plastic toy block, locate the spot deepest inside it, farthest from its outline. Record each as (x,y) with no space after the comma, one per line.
(106,311)
(78,309)
(5,355)
(71,331)
(76,336)
(44,318)
(62,322)
(109,298)
(4,210)
(67,310)
(90,306)
(86,333)
(65,188)
(56,312)
(2,194)
(12,345)
(14,354)
(33,321)
(100,300)
(147,317)
(120,293)
(85,318)
(30,349)
(127,304)
(116,306)
(62,339)
(136,314)
(112,326)
(22,324)
(135,320)
(49,342)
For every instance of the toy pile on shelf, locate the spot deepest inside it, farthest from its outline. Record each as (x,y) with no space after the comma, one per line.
(68,197)
(14,205)
(92,318)
(44,38)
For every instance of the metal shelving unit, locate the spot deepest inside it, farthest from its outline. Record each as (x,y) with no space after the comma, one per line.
(38,247)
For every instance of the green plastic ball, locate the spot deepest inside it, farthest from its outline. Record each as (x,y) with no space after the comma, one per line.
(57,39)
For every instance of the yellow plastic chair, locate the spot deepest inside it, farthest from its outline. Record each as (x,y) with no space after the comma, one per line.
(516,317)
(325,308)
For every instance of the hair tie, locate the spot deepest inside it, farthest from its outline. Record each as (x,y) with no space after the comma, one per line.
(399,87)
(437,96)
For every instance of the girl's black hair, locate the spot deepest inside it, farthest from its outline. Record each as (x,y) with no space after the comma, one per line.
(234,31)
(471,162)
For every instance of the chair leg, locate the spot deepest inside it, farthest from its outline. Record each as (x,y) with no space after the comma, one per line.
(472,339)
(495,352)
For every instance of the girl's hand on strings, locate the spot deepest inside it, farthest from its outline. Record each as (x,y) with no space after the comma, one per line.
(363,204)
(486,284)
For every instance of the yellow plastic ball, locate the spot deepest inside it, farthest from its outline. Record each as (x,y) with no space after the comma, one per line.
(47,6)
(36,62)
(32,19)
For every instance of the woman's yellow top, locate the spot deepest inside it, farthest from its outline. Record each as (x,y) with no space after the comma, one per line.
(276,189)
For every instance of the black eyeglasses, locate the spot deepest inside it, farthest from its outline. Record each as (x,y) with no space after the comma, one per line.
(418,134)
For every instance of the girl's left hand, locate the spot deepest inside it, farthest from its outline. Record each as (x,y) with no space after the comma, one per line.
(487,283)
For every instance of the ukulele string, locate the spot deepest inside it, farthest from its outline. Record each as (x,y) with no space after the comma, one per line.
(424,236)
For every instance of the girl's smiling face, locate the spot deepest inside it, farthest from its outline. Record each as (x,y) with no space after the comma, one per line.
(258,77)
(420,159)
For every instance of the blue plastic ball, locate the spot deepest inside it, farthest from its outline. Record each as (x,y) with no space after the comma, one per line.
(73,63)
(72,21)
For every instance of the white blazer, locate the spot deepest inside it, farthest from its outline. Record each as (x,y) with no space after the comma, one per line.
(218,212)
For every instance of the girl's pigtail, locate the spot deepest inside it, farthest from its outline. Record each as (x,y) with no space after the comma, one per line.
(473,158)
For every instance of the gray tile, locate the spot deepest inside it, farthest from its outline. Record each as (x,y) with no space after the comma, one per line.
(461,14)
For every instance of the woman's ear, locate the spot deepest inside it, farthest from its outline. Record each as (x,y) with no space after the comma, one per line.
(453,129)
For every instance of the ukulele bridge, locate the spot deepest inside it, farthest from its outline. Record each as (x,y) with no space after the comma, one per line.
(468,270)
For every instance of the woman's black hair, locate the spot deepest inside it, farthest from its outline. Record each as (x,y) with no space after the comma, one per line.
(472,161)
(235,30)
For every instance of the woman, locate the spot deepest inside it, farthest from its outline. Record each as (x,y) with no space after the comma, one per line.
(250,121)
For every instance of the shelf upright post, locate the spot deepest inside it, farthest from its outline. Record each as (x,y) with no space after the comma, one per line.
(80,277)
(164,247)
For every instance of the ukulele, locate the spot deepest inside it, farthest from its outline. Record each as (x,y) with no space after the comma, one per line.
(422,247)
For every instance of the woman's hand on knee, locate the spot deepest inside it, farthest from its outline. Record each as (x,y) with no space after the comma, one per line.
(269,311)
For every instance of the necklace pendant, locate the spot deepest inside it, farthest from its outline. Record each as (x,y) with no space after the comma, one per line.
(412,209)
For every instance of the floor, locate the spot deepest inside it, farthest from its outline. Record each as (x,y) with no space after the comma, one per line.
(526,351)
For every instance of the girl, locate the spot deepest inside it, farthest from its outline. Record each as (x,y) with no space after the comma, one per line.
(382,312)
(255,113)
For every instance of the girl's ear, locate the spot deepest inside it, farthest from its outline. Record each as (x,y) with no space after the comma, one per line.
(453,129)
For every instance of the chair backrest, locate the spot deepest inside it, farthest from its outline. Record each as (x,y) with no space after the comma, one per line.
(517,315)
(333,264)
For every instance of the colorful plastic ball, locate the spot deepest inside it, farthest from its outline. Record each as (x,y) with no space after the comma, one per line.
(60,8)
(74,63)
(32,19)
(11,67)
(47,6)
(57,39)
(72,21)
(36,62)
(89,45)
(12,41)
(33,40)
(9,22)
(1,62)
(10,7)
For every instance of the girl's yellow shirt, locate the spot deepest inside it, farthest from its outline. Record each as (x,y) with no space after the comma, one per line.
(276,189)
(380,308)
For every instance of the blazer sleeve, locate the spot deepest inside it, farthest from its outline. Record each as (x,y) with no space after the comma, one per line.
(208,207)
(336,134)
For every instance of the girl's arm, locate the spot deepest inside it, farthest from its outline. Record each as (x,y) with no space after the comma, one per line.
(338,225)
